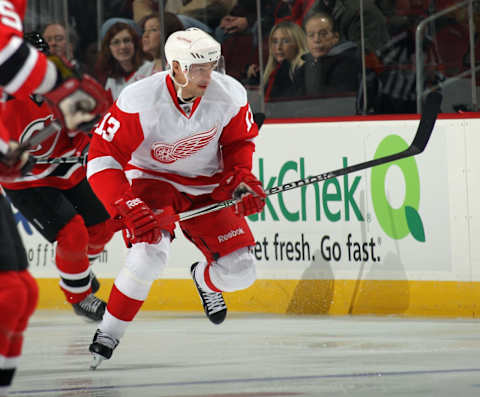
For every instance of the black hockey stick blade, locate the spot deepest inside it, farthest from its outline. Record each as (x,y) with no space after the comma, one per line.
(422,136)
(418,145)
(63,160)
(427,122)
(259,118)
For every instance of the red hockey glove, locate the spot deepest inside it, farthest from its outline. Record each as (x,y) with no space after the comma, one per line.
(77,101)
(14,163)
(142,224)
(167,217)
(242,185)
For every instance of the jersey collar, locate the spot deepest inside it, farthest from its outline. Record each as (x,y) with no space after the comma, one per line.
(173,95)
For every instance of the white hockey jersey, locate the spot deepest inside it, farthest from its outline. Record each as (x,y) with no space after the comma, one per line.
(147,133)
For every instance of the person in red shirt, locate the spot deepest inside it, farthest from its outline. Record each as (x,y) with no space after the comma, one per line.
(77,102)
(65,210)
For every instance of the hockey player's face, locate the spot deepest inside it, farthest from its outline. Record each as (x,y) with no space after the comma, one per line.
(320,37)
(199,76)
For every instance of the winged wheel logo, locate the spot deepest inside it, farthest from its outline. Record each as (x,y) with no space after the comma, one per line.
(169,153)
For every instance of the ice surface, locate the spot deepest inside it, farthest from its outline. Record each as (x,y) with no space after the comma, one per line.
(183,354)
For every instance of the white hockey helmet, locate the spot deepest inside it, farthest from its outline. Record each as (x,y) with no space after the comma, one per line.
(191,46)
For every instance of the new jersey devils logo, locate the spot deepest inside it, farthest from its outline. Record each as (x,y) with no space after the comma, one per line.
(166,153)
(46,147)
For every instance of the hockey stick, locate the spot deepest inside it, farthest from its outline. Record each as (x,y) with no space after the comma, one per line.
(63,160)
(424,131)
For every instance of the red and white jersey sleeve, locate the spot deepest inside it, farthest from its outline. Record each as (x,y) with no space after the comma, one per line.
(23,69)
(114,140)
(237,140)
(25,118)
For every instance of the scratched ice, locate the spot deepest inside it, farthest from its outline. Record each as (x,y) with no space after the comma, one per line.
(182,354)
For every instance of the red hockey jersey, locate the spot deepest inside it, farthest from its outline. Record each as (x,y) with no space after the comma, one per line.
(4,135)
(25,118)
(3,138)
(147,133)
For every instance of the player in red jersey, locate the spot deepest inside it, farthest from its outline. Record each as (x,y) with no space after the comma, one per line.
(76,102)
(65,210)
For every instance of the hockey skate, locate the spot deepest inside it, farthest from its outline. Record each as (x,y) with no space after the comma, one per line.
(213,303)
(101,348)
(94,283)
(91,308)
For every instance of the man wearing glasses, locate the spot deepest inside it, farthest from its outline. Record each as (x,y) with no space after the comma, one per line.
(60,43)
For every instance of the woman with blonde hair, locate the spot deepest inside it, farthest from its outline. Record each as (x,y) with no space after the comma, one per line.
(287,44)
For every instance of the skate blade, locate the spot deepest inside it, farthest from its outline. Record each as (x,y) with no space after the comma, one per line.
(96,361)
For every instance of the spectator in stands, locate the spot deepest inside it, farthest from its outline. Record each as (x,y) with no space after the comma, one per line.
(452,38)
(391,86)
(346,14)
(286,46)
(120,54)
(238,34)
(202,14)
(332,66)
(90,55)
(292,10)
(209,12)
(83,15)
(152,44)
(62,42)
(243,19)
(151,27)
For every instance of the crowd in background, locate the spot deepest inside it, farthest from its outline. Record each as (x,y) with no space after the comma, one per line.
(311,48)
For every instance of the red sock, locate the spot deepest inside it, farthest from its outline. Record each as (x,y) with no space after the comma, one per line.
(13,300)
(72,260)
(31,288)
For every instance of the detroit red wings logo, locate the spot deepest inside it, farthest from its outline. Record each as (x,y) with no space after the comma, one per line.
(169,153)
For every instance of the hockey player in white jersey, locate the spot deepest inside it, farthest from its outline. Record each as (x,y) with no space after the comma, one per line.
(172,142)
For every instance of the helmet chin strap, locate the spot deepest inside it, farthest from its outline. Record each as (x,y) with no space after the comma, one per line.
(180,87)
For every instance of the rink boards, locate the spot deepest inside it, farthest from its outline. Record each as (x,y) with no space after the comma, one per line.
(397,239)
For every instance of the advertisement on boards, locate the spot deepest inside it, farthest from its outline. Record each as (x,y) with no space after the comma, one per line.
(387,222)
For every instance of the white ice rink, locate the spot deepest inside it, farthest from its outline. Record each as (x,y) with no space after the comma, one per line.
(178,354)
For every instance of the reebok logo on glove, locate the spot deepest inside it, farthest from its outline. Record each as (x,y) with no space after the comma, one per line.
(133,203)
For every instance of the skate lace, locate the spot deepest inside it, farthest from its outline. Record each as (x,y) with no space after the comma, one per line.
(214,301)
(90,303)
(106,340)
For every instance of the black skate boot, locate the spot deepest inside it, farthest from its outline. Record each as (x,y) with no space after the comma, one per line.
(94,283)
(213,303)
(101,348)
(91,308)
